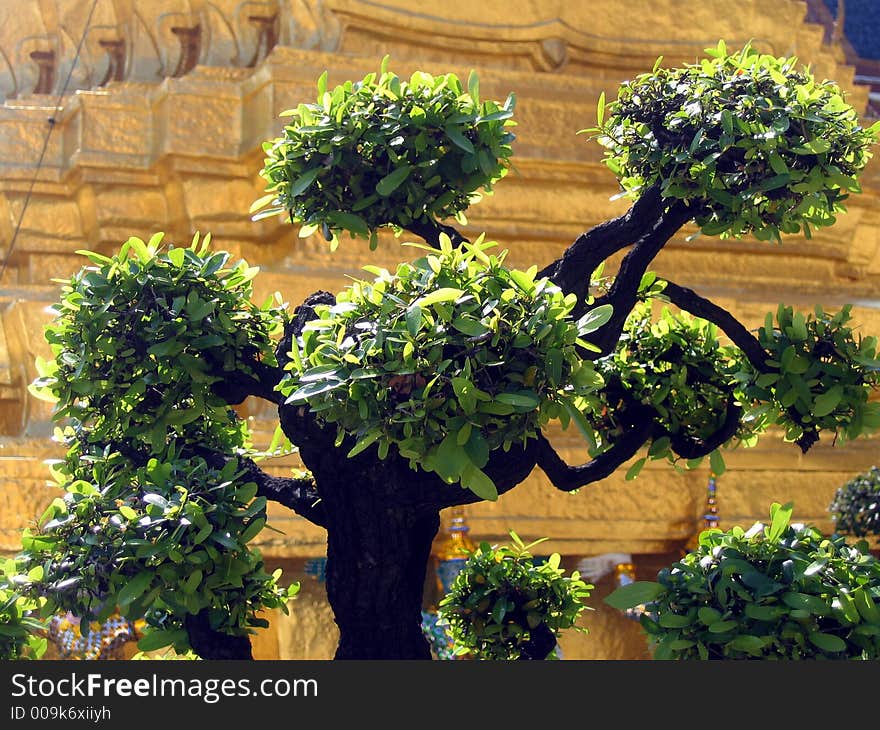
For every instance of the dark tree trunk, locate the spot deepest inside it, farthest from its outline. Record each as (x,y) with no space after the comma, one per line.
(381,518)
(376,562)
(211,644)
(379,537)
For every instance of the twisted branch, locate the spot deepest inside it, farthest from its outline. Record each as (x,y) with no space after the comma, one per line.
(430,231)
(640,419)
(572,271)
(623,294)
(690,301)
(300,495)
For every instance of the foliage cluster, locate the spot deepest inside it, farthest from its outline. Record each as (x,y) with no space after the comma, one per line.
(385,152)
(449,358)
(676,364)
(855,507)
(155,517)
(760,144)
(504,593)
(775,591)
(824,375)
(22,633)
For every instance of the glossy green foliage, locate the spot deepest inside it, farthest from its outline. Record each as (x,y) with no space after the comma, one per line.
(503,593)
(855,507)
(776,591)
(825,375)
(676,364)
(449,358)
(758,144)
(155,517)
(385,152)
(22,632)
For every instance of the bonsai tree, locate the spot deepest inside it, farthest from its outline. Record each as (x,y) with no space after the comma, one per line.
(506,604)
(430,386)
(775,591)
(855,508)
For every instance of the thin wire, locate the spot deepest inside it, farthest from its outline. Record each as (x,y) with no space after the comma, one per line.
(51,121)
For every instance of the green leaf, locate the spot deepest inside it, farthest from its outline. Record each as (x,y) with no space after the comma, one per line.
(470,327)
(708,615)
(721,627)
(474,86)
(371,437)
(446,294)
(393,180)
(716,462)
(827,642)
(450,459)
(634,594)
(779,518)
(413,319)
(747,643)
(675,621)
(594,319)
(634,470)
(135,588)
(156,639)
(866,606)
(252,530)
(304,181)
(349,222)
(521,399)
(763,613)
(454,133)
(255,206)
(827,402)
(192,582)
(479,483)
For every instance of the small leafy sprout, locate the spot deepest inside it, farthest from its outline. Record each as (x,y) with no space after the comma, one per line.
(775,591)
(447,359)
(504,595)
(385,152)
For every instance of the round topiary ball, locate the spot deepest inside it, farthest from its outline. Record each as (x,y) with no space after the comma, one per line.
(775,591)
(855,508)
(757,143)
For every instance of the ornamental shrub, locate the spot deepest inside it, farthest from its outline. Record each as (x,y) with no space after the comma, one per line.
(503,596)
(385,152)
(762,145)
(452,356)
(775,591)
(855,508)
(155,516)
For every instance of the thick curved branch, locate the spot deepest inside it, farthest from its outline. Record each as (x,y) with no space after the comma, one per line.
(690,301)
(300,495)
(568,478)
(236,386)
(572,271)
(430,231)
(688,447)
(623,294)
